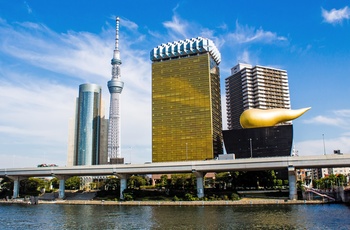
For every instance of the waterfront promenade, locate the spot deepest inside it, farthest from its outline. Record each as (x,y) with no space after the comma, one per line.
(243,201)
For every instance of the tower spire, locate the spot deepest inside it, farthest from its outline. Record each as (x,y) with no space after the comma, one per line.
(115,87)
(116,62)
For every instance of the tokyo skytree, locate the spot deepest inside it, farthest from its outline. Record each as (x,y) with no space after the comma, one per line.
(115,87)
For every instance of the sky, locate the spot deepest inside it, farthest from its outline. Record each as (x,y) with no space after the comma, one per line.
(49,48)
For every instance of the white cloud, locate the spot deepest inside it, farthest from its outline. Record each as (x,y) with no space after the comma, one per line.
(244,57)
(177,28)
(128,24)
(339,119)
(79,55)
(29,9)
(336,16)
(36,104)
(342,113)
(325,120)
(246,34)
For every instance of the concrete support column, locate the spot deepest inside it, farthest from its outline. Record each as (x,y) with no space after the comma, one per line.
(123,184)
(15,189)
(61,189)
(16,185)
(61,192)
(200,187)
(293,195)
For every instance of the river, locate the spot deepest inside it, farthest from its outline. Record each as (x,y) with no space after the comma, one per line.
(54,216)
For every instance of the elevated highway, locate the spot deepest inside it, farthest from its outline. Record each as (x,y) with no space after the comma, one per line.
(197,167)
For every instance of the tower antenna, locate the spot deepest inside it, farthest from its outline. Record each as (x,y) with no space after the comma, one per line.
(115,87)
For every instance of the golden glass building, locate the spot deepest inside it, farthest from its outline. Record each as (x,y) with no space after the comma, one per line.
(186,102)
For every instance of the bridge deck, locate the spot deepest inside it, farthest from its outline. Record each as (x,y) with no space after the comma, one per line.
(248,164)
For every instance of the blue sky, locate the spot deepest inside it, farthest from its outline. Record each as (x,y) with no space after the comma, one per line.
(49,48)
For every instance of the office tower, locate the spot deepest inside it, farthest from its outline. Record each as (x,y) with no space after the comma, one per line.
(260,88)
(186,102)
(87,137)
(115,87)
(255,87)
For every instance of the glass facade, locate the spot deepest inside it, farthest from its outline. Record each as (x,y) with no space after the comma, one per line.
(88,125)
(186,109)
(259,142)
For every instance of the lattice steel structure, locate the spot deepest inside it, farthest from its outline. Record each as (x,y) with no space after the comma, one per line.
(115,86)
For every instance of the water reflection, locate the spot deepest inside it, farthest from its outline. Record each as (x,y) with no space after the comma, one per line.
(335,216)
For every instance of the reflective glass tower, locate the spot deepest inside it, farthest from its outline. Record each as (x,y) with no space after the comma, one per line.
(186,102)
(85,144)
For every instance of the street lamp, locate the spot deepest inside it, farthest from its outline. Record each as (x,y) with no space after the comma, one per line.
(251,150)
(324,145)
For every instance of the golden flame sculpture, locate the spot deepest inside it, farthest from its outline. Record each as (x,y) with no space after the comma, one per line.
(257,118)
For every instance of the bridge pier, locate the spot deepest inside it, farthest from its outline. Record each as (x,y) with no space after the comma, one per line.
(61,190)
(200,187)
(293,195)
(16,185)
(123,184)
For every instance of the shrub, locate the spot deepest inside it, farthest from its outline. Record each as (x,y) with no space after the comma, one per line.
(235,196)
(189,197)
(127,197)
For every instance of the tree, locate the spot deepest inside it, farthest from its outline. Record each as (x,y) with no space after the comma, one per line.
(178,181)
(112,183)
(136,181)
(6,183)
(223,179)
(55,182)
(31,186)
(6,186)
(72,183)
(163,181)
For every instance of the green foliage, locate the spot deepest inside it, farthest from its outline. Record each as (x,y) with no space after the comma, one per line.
(183,181)
(72,183)
(330,181)
(7,184)
(175,198)
(31,186)
(279,182)
(163,181)
(235,196)
(190,197)
(112,183)
(55,182)
(147,187)
(128,196)
(249,179)
(136,181)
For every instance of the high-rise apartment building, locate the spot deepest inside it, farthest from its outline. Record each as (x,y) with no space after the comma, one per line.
(87,143)
(255,87)
(186,102)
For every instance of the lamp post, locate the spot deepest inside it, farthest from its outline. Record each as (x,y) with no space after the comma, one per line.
(324,145)
(251,150)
